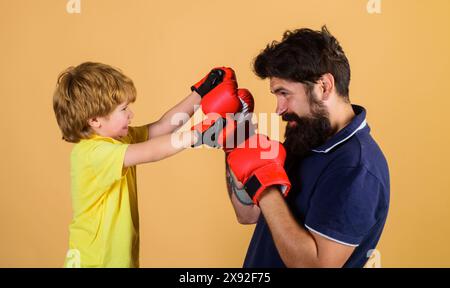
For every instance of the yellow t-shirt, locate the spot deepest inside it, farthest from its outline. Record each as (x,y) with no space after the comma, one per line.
(105,228)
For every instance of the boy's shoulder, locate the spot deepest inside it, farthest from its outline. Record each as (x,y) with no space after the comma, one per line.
(87,146)
(97,155)
(96,142)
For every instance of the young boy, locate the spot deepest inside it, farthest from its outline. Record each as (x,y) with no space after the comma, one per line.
(91,104)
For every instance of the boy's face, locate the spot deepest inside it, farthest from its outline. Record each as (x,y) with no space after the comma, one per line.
(115,125)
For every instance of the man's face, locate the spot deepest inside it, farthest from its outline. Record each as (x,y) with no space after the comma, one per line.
(291,97)
(308,125)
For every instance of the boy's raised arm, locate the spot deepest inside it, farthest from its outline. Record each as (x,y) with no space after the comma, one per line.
(168,124)
(165,125)
(158,148)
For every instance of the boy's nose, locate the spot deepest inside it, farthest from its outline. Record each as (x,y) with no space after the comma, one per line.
(131,115)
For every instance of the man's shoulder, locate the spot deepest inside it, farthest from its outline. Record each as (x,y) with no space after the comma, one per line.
(362,152)
(372,157)
(348,154)
(359,149)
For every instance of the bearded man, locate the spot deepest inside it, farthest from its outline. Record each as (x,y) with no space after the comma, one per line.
(335,211)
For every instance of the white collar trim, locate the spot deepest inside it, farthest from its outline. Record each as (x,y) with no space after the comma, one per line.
(363,124)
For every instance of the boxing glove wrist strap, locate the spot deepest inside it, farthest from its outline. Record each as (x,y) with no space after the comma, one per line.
(270,175)
(214,78)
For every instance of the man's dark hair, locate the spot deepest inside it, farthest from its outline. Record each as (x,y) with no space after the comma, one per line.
(304,55)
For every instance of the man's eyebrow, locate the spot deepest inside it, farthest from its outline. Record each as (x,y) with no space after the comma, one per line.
(277,90)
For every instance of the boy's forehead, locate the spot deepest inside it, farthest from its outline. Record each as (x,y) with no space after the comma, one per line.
(121,105)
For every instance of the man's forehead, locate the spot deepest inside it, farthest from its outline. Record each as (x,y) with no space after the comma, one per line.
(277,84)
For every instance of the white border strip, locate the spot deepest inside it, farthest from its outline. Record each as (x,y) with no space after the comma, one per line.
(363,124)
(332,239)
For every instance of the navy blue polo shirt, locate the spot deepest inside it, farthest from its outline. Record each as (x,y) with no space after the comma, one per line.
(340,191)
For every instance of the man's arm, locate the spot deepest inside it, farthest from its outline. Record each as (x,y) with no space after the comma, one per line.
(245,214)
(165,126)
(297,246)
(158,148)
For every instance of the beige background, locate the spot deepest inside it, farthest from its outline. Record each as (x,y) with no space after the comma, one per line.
(400,69)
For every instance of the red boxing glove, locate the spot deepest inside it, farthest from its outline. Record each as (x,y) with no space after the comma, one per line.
(247,101)
(258,164)
(227,132)
(219,98)
(212,79)
(223,98)
(239,127)
(209,130)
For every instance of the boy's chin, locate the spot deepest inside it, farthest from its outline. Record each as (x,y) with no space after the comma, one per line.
(123,132)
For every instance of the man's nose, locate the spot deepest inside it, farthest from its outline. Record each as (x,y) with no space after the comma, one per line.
(281,105)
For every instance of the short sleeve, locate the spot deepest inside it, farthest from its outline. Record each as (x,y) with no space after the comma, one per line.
(106,160)
(344,205)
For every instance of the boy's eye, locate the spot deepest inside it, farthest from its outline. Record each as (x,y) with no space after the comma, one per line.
(125,108)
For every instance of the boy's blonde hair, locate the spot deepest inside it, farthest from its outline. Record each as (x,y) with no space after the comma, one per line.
(87,91)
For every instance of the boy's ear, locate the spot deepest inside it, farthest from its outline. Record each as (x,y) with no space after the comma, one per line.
(94,122)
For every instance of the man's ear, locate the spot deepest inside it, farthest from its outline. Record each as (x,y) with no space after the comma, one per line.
(326,85)
(94,122)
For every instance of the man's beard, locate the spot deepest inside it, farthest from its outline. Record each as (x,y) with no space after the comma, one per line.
(307,133)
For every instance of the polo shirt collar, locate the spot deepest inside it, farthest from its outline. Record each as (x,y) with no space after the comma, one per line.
(358,123)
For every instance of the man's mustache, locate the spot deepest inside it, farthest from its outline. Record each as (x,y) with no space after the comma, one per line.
(290,117)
